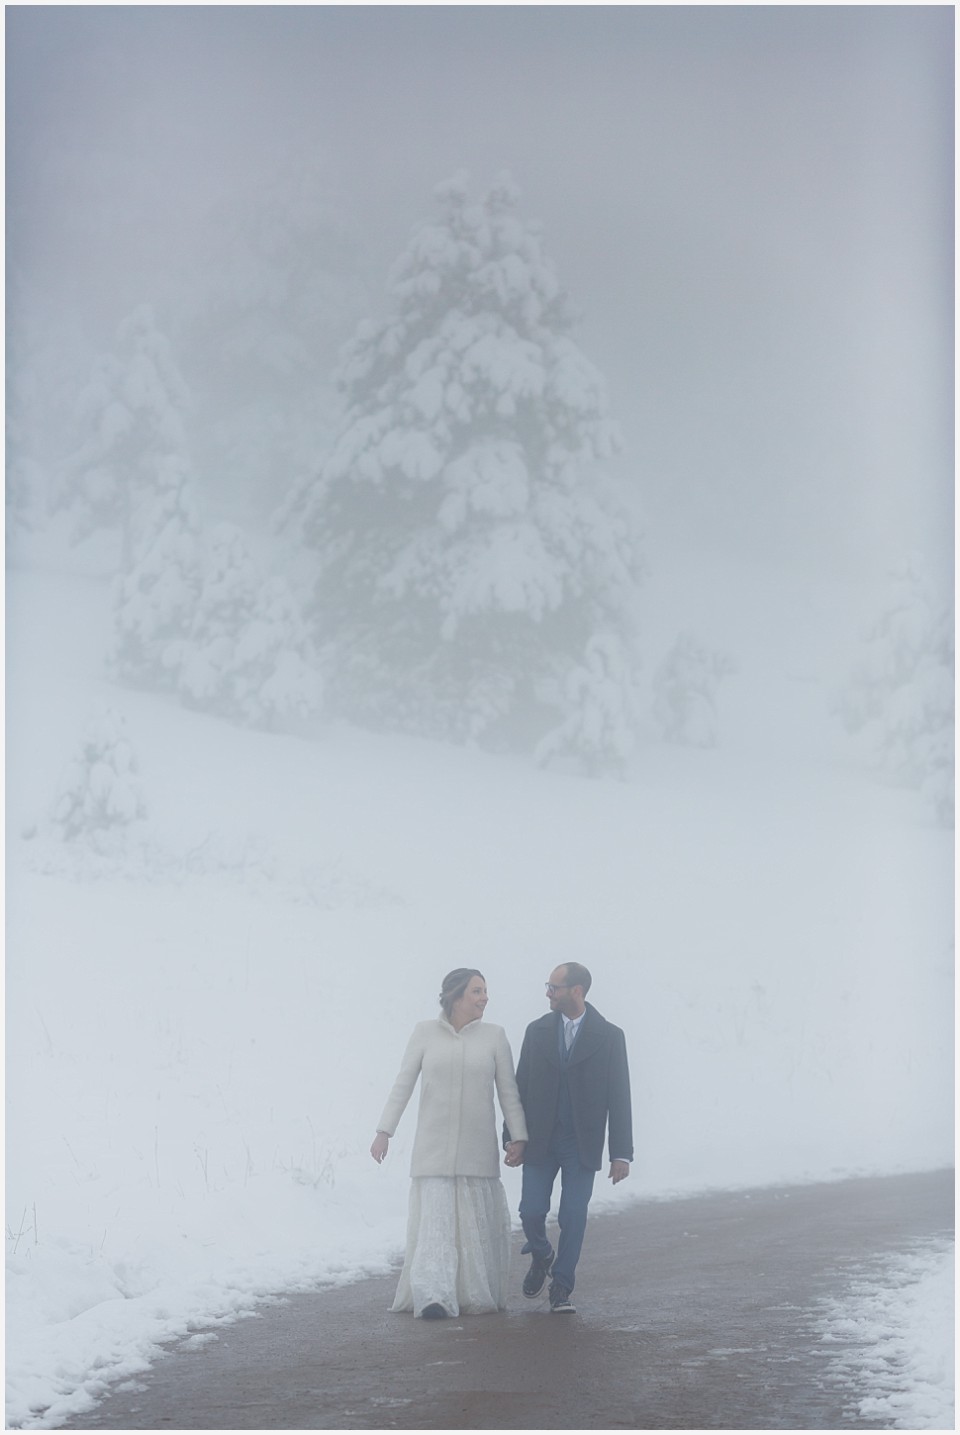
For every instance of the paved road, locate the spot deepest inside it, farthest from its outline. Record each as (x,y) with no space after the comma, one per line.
(692,1314)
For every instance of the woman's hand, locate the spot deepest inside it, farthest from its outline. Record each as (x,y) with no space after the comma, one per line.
(379,1148)
(514,1150)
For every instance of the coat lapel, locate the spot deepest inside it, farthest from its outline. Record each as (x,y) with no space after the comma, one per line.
(549,1037)
(589,1037)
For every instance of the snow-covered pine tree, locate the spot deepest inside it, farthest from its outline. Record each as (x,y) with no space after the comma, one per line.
(25,477)
(225,604)
(246,655)
(100,795)
(900,698)
(685,692)
(25,498)
(45,358)
(601,712)
(468,545)
(132,411)
(154,598)
(272,679)
(134,474)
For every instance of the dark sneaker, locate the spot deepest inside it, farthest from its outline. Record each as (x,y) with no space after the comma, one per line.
(560,1302)
(536,1277)
(434,1312)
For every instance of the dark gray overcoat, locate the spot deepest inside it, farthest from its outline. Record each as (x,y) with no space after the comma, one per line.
(599,1081)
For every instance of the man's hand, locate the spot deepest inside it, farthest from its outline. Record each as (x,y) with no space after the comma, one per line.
(514,1150)
(619,1171)
(379,1148)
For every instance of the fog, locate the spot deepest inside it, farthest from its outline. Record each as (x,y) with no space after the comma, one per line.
(236,871)
(751,208)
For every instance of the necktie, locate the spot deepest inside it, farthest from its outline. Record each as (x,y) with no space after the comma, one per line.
(569,1034)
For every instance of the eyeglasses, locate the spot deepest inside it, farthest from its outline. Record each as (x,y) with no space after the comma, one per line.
(553,988)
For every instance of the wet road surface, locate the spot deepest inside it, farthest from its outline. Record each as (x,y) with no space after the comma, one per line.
(691,1314)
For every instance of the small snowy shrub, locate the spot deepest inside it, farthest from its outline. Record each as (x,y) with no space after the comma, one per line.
(900,698)
(100,795)
(685,692)
(599,701)
(246,654)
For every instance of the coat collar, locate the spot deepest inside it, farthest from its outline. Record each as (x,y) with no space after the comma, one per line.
(449,1026)
(589,1037)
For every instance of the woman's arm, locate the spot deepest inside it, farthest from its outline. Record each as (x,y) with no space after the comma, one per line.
(507,1092)
(402,1088)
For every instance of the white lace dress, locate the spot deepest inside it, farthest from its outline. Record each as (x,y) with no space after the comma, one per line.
(458,1229)
(458,1246)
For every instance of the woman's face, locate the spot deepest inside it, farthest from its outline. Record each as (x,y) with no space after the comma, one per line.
(470,1006)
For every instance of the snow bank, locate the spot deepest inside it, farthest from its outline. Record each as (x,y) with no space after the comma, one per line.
(900,1325)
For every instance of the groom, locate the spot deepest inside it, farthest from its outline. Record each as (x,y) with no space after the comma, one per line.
(573,1080)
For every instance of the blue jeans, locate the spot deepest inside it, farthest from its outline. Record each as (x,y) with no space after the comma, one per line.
(576,1188)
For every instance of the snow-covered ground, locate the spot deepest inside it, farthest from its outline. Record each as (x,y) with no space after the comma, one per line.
(896,1326)
(201,1034)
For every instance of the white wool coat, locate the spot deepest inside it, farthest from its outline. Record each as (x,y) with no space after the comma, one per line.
(456,1125)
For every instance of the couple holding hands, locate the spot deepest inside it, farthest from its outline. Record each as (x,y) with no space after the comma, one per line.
(571,1081)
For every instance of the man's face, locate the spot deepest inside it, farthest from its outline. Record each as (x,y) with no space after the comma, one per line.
(559,994)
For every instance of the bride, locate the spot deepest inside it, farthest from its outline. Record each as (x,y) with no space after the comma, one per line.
(458,1229)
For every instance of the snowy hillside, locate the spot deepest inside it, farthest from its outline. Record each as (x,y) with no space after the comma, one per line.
(201,1033)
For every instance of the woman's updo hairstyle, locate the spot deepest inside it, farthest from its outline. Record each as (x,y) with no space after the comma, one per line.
(455,983)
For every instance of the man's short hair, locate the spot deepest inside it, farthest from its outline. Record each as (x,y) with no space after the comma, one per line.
(577,976)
